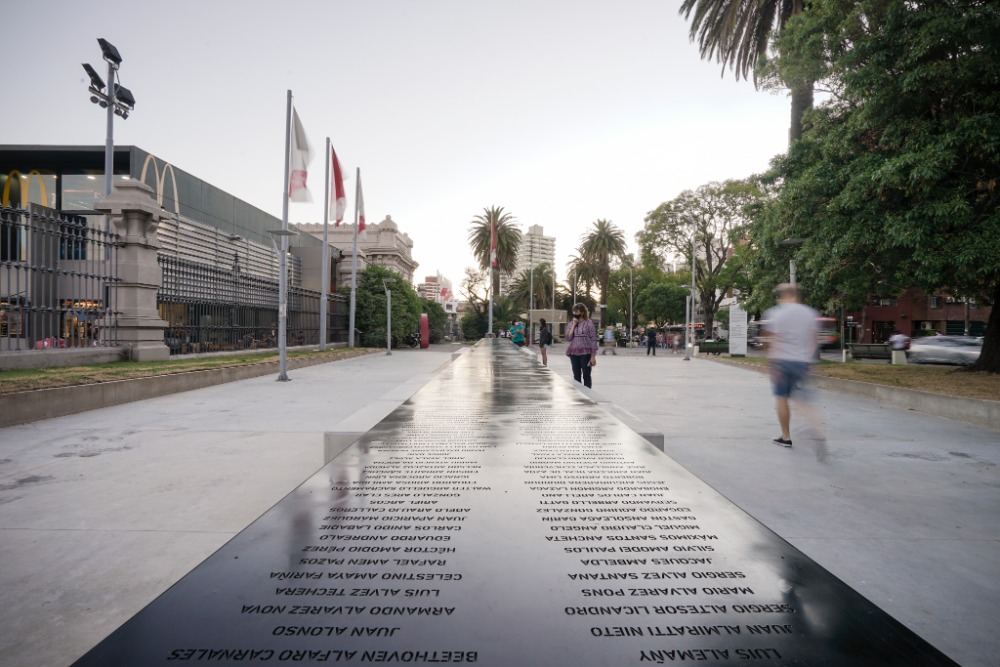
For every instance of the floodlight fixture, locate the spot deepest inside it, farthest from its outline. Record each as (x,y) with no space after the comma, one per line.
(124,95)
(110,52)
(95,78)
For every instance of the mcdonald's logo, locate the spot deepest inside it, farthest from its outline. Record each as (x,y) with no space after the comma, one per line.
(160,179)
(24,185)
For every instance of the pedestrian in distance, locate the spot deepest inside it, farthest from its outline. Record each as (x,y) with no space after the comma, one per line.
(609,341)
(582,349)
(793,347)
(517,333)
(898,340)
(544,340)
(651,338)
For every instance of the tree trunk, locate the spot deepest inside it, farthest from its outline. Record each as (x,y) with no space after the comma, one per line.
(802,101)
(989,359)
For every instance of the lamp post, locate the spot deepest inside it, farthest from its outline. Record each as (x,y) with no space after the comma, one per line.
(531,288)
(388,314)
(631,311)
(791,261)
(283,234)
(689,334)
(118,100)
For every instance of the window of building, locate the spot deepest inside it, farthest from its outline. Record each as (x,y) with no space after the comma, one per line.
(935,302)
(884,301)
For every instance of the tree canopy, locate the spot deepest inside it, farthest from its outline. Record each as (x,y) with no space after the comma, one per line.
(895,182)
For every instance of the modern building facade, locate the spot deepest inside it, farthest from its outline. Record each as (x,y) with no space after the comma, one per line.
(220,267)
(535,249)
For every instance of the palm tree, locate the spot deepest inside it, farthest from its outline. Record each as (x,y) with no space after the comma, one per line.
(508,242)
(581,276)
(540,281)
(602,244)
(736,34)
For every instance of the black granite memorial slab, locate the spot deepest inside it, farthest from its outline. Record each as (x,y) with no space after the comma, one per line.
(499,517)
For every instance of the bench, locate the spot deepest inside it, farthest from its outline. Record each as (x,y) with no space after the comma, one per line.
(870,351)
(713,347)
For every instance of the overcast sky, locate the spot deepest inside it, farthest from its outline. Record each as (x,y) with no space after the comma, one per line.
(561,111)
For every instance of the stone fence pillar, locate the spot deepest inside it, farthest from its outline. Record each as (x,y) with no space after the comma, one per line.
(135,216)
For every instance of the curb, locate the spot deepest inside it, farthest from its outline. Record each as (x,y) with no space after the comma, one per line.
(30,406)
(970,410)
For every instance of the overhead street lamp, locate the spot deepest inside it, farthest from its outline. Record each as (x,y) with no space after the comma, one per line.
(282,253)
(791,261)
(118,100)
(388,314)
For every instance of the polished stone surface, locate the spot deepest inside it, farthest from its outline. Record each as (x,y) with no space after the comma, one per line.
(500,517)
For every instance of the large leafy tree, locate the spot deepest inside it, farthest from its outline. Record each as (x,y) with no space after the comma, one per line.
(714,217)
(508,242)
(663,302)
(895,185)
(601,246)
(737,34)
(371,307)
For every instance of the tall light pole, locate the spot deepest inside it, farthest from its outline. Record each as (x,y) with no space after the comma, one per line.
(689,334)
(791,261)
(388,314)
(118,100)
(631,311)
(531,288)
(282,253)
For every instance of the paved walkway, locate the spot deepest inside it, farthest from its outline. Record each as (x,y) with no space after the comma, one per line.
(102,511)
(905,507)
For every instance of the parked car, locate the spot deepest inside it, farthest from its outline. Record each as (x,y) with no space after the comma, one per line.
(961,350)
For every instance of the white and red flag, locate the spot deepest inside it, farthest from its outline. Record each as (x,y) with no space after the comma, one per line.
(339,199)
(298,161)
(360,204)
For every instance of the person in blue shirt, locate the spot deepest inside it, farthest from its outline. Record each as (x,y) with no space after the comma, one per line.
(517,333)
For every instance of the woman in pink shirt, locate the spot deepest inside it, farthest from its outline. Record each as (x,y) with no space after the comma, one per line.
(582,350)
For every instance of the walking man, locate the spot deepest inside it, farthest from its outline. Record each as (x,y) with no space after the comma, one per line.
(651,338)
(609,341)
(792,349)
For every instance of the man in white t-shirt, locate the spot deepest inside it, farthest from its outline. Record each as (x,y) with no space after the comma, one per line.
(792,349)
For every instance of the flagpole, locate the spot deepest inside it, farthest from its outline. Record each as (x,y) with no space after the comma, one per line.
(326,255)
(354,259)
(283,277)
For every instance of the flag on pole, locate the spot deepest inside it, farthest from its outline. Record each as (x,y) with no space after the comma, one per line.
(361,210)
(493,243)
(339,203)
(298,162)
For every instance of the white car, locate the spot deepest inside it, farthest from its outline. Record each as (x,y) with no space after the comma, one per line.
(961,350)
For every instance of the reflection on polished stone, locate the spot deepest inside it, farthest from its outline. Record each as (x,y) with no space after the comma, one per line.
(499,517)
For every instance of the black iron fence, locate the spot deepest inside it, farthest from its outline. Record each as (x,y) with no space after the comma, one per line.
(58,280)
(211,309)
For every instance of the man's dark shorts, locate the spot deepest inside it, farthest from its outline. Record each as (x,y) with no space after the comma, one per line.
(786,376)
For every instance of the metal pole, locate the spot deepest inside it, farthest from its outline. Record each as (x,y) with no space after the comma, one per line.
(531,293)
(388,321)
(354,259)
(631,312)
(326,254)
(282,277)
(791,272)
(687,316)
(489,289)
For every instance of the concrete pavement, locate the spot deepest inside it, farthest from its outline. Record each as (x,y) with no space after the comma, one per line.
(102,511)
(903,507)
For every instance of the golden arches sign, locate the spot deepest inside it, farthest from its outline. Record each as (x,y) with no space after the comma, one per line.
(25,188)
(160,179)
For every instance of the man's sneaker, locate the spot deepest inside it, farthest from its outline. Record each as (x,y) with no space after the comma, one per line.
(781,441)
